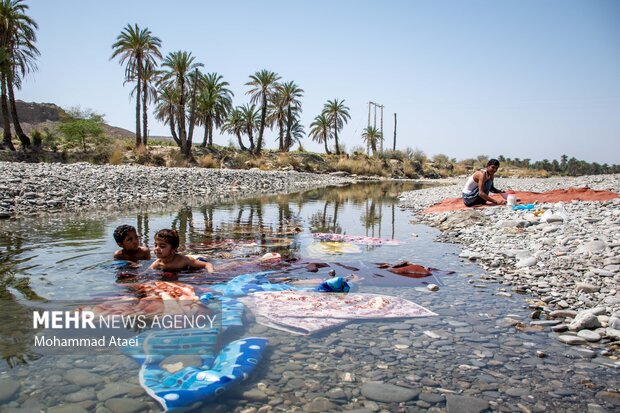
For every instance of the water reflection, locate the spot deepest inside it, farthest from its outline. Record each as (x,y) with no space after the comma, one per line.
(56,259)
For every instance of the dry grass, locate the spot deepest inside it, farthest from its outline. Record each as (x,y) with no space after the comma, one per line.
(286,159)
(207,161)
(360,166)
(117,155)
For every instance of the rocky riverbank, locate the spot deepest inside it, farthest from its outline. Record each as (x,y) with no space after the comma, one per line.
(569,260)
(30,188)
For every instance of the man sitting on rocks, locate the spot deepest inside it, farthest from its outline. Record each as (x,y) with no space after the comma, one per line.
(480,184)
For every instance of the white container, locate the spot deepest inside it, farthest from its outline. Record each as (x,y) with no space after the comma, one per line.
(511,200)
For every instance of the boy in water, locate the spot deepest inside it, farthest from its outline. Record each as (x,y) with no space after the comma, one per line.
(168,259)
(127,238)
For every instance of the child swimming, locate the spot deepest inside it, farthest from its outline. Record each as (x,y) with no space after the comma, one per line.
(127,238)
(168,259)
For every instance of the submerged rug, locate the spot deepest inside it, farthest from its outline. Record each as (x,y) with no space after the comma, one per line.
(557,195)
(305,312)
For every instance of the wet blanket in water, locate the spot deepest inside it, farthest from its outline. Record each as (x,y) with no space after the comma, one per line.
(307,312)
(353,239)
(557,195)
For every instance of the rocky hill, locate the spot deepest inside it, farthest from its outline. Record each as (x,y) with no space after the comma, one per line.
(34,115)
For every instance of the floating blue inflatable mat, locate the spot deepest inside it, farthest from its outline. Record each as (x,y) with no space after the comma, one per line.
(181,371)
(194,385)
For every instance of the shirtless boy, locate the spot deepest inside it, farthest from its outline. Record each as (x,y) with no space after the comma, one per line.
(127,238)
(168,259)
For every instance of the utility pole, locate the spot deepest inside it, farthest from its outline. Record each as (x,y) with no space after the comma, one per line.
(381,141)
(394,148)
(368,143)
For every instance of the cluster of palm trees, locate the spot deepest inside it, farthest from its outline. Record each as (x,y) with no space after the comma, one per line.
(18,55)
(184,98)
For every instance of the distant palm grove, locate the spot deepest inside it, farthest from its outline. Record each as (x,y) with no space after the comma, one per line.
(185,97)
(182,95)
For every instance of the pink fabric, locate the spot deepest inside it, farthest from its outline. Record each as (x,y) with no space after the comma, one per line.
(354,239)
(306,312)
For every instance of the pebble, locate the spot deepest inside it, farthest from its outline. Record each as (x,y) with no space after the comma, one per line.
(389,393)
(47,187)
(8,389)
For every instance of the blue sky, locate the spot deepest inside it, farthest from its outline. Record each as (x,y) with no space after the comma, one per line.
(528,79)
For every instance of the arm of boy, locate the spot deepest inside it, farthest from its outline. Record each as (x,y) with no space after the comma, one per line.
(197,264)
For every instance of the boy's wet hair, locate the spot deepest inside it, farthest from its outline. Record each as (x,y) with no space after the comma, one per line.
(121,232)
(171,237)
(493,162)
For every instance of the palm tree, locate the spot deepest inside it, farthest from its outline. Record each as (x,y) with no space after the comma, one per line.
(149,94)
(17,56)
(338,115)
(235,125)
(371,135)
(320,130)
(251,118)
(165,109)
(138,49)
(297,132)
(263,86)
(179,66)
(276,113)
(214,104)
(290,94)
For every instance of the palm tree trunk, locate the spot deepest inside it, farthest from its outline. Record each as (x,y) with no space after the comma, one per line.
(336,138)
(289,122)
(173,131)
(281,135)
(138,95)
(205,137)
(325,141)
(144,113)
(241,145)
(210,133)
(252,147)
(192,115)
(186,144)
(6,122)
(23,138)
(263,116)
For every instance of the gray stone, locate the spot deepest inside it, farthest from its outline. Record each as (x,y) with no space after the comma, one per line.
(572,340)
(584,320)
(589,335)
(81,395)
(388,393)
(612,333)
(526,262)
(465,404)
(82,377)
(592,247)
(125,405)
(254,395)
(117,389)
(8,389)
(319,404)
(69,408)
(586,287)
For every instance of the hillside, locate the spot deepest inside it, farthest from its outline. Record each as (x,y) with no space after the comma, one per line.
(39,116)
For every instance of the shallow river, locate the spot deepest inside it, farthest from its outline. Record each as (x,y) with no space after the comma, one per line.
(471,355)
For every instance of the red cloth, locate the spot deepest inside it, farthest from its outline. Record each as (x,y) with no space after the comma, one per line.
(557,195)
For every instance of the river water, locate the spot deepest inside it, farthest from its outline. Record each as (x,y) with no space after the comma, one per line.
(471,355)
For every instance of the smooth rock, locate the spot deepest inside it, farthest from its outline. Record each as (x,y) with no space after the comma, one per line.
(572,340)
(465,404)
(388,393)
(589,335)
(8,389)
(125,405)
